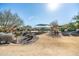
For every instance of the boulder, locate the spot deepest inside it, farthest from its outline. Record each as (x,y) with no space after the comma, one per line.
(28,38)
(6,38)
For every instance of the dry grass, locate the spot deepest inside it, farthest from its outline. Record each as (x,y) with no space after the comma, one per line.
(46,45)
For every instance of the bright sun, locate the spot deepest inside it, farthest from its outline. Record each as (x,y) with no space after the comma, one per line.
(53,6)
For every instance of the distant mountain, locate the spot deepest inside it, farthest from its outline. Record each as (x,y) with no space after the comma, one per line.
(42,25)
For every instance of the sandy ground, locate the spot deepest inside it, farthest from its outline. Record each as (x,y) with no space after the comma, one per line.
(44,46)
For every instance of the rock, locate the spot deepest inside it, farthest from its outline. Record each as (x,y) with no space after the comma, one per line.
(6,38)
(26,39)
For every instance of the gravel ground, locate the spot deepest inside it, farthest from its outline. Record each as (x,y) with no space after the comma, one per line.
(44,46)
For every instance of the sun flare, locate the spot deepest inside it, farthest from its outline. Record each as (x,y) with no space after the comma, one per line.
(53,6)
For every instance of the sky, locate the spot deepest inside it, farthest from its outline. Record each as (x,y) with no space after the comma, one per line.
(40,13)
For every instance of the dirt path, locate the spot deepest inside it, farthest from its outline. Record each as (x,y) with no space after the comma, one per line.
(45,45)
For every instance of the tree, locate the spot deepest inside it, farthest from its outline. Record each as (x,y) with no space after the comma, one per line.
(54,25)
(54,28)
(9,21)
(28,27)
(76,18)
(71,27)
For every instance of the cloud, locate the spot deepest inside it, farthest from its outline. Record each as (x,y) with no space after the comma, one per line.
(31,17)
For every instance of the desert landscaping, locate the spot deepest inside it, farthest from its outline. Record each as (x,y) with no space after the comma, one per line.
(45,45)
(39,29)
